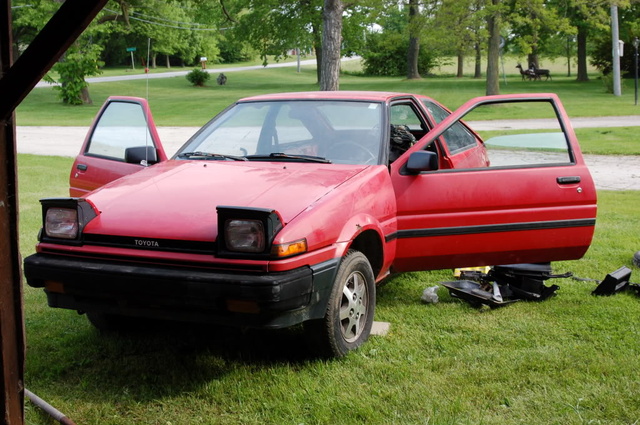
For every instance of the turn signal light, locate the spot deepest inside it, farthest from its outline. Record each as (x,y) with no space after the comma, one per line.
(289,249)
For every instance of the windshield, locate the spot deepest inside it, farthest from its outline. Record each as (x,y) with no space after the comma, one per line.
(343,132)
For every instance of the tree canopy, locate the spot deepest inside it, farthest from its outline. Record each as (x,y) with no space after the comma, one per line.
(394,37)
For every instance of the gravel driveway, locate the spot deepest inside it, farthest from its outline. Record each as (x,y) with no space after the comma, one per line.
(609,172)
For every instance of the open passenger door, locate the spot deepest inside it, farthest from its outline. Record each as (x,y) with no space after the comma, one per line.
(532,201)
(122,140)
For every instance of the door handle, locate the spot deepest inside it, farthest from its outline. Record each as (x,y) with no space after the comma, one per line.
(568,180)
(81,167)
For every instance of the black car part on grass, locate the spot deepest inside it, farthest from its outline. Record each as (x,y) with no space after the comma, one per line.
(615,282)
(505,284)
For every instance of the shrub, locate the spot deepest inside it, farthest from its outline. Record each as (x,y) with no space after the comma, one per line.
(198,77)
(386,55)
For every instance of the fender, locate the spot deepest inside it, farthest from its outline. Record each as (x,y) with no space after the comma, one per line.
(366,223)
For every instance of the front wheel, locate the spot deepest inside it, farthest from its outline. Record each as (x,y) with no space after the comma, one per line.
(349,316)
(107,323)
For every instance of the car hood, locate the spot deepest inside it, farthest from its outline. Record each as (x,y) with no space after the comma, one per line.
(178,199)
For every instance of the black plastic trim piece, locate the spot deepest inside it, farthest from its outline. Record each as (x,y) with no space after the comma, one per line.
(491,228)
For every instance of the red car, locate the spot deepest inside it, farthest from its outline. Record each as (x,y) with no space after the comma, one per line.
(289,208)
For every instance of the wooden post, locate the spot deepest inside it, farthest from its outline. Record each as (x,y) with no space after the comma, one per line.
(12,345)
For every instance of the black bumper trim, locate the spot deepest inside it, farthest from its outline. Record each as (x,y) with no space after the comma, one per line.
(195,294)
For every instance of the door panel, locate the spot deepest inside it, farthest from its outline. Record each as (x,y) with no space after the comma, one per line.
(536,202)
(122,123)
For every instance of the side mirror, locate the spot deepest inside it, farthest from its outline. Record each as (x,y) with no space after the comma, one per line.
(145,155)
(422,161)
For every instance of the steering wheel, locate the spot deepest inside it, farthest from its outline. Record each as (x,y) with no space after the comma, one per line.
(353,151)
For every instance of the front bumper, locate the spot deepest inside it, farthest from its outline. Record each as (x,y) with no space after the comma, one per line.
(261,300)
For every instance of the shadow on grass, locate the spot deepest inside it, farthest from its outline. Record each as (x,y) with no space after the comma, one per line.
(155,359)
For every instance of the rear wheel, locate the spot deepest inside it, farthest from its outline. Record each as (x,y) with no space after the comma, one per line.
(349,315)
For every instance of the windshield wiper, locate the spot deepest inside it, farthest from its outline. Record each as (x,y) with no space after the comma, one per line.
(210,155)
(285,156)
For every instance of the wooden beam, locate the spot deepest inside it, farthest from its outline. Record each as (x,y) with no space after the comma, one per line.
(55,38)
(12,344)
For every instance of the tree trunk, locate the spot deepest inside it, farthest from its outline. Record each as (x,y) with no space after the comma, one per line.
(582,54)
(414,41)
(331,44)
(460,72)
(317,47)
(154,60)
(493,55)
(412,59)
(568,50)
(478,67)
(168,61)
(86,98)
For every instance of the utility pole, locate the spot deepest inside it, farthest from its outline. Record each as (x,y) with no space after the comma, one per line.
(615,43)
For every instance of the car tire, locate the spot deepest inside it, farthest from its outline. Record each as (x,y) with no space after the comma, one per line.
(106,322)
(349,315)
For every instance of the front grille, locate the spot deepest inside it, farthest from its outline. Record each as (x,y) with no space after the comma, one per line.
(151,244)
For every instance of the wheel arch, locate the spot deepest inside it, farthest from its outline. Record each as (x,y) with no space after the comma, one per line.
(370,245)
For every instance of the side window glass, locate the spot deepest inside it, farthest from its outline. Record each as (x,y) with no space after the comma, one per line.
(457,137)
(539,140)
(122,125)
(406,127)
(403,114)
(436,111)
(543,148)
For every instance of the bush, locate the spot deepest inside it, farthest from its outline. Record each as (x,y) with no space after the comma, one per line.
(198,77)
(386,55)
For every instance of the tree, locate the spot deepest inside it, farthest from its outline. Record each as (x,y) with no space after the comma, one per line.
(414,41)
(28,20)
(289,24)
(79,61)
(461,29)
(285,25)
(601,58)
(587,17)
(533,24)
(187,29)
(385,51)
(331,44)
(493,54)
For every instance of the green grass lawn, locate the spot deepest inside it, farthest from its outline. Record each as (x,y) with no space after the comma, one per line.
(572,359)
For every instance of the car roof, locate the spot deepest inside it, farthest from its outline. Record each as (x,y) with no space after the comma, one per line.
(373,96)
